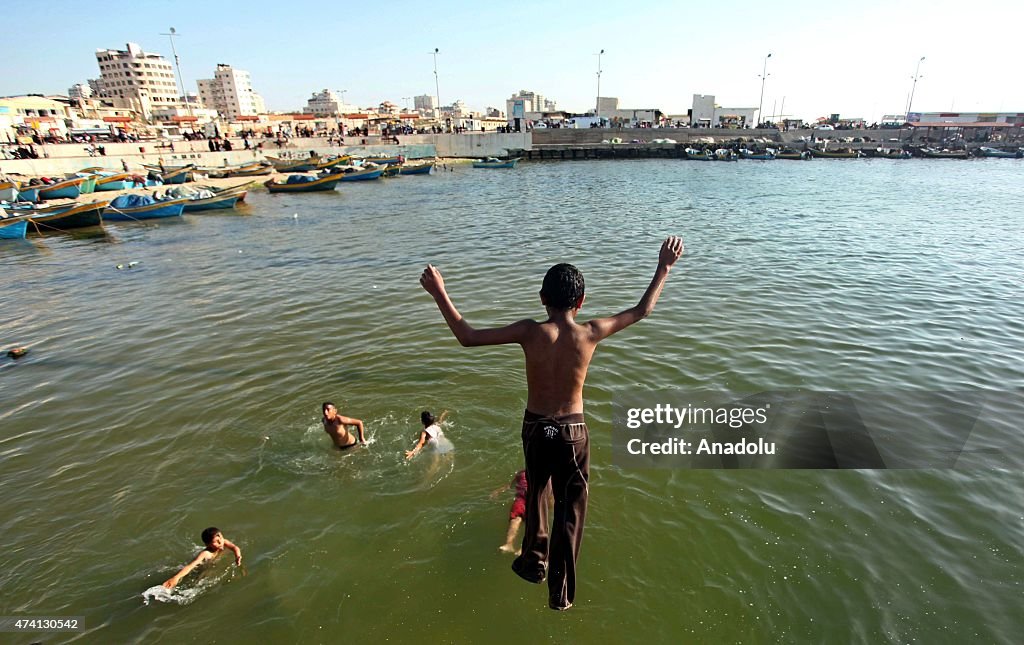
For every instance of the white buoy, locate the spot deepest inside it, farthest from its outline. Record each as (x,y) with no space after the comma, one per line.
(295,216)
(119,267)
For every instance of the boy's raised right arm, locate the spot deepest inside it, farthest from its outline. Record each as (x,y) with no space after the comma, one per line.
(433,283)
(602,328)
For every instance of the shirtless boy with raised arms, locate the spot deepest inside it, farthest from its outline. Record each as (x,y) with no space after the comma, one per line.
(555,437)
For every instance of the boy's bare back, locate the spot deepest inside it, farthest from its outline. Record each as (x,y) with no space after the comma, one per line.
(558,350)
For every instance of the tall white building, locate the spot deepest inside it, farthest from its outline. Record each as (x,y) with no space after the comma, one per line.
(527,101)
(230,93)
(144,81)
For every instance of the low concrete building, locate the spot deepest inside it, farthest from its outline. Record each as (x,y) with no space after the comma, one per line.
(966,117)
(705,113)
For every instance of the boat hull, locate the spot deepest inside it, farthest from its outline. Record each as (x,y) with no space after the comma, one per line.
(322,184)
(69,189)
(363,175)
(152,211)
(422,169)
(80,216)
(217,202)
(13,228)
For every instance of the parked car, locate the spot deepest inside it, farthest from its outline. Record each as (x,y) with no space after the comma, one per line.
(824,126)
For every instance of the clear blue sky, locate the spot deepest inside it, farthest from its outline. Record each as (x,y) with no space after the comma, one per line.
(855,58)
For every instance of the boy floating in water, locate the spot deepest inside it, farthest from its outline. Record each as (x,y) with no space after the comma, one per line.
(215,543)
(430,435)
(555,437)
(336,426)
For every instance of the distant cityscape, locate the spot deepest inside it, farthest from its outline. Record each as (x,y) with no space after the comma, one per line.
(139,94)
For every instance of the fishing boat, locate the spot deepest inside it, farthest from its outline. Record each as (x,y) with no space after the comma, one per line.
(699,155)
(336,161)
(417,169)
(128,208)
(836,154)
(493,162)
(767,155)
(68,216)
(89,185)
(725,154)
(179,176)
(385,161)
(67,189)
(392,170)
(240,190)
(999,154)
(889,153)
(115,181)
(28,194)
(292,165)
(8,191)
(357,173)
(216,202)
(200,199)
(945,153)
(12,227)
(796,155)
(303,184)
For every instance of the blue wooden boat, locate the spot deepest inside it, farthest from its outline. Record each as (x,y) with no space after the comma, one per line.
(13,227)
(116,181)
(418,169)
(28,194)
(67,189)
(217,202)
(179,176)
(767,155)
(171,208)
(357,173)
(492,162)
(327,182)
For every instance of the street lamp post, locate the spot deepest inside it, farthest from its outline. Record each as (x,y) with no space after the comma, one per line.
(917,75)
(597,104)
(437,87)
(764,77)
(177,64)
(406,99)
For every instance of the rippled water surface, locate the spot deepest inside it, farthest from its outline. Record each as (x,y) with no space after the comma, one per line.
(185,392)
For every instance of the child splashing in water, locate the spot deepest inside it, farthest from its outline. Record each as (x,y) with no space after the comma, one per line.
(431,435)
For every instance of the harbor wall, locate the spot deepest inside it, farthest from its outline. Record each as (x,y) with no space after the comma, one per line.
(59,159)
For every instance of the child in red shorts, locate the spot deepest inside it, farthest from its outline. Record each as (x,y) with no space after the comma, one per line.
(517,512)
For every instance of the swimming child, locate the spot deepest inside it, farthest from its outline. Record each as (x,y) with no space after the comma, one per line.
(431,434)
(336,426)
(215,543)
(517,512)
(556,441)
